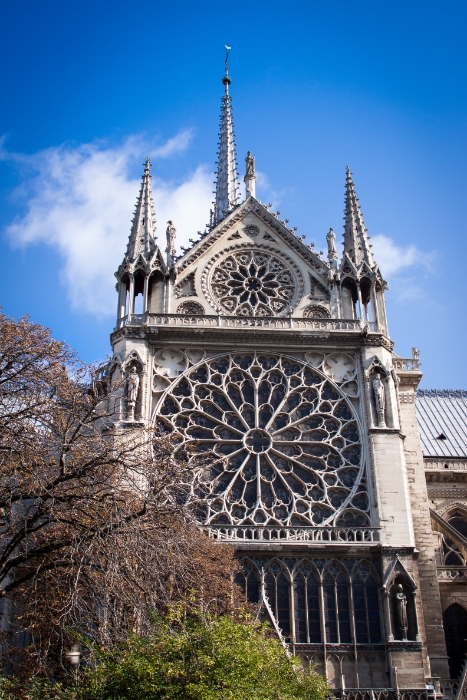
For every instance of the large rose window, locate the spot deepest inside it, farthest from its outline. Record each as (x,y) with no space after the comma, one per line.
(253,282)
(271,439)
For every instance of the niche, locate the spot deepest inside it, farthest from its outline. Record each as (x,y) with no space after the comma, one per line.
(403,614)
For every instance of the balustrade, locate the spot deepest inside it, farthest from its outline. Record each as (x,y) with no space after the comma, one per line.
(266,322)
(239,533)
(452,573)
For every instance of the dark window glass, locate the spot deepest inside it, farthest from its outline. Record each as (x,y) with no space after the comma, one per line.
(459,521)
(283,604)
(366,608)
(330,609)
(306,604)
(277,591)
(455,631)
(313,610)
(343,609)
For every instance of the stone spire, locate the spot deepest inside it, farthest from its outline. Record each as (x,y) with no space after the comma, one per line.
(356,243)
(226,179)
(143,229)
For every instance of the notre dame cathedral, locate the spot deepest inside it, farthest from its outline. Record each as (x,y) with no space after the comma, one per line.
(342,488)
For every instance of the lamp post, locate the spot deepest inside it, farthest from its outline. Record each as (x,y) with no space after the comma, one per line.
(74,657)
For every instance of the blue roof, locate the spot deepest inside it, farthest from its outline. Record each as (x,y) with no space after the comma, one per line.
(442,419)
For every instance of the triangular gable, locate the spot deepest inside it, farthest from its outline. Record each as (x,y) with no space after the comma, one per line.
(233,224)
(396,567)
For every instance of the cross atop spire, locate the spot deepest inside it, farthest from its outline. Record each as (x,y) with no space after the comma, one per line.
(143,229)
(356,242)
(226,178)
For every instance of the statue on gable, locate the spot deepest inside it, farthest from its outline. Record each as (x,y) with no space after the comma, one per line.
(171,234)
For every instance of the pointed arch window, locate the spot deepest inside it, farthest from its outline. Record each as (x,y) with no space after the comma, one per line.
(455,626)
(277,590)
(366,609)
(248,581)
(306,607)
(336,606)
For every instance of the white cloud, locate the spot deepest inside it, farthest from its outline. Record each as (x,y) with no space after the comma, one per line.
(392,258)
(80,200)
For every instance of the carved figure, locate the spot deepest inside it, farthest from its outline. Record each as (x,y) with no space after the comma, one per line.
(132,392)
(401,603)
(331,239)
(250,165)
(378,390)
(171,235)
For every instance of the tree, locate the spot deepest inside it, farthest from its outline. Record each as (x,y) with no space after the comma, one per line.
(96,532)
(202,657)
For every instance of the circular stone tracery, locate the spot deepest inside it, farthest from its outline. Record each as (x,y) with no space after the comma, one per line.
(254,282)
(272,441)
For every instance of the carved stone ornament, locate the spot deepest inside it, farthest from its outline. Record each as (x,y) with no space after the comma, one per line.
(253,282)
(271,441)
(251,230)
(340,367)
(186,286)
(170,362)
(190,308)
(316,311)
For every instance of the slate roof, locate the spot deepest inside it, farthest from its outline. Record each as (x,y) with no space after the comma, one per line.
(442,419)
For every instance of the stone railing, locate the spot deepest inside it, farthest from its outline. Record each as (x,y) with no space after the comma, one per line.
(383,694)
(411,364)
(451,573)
(448,687)
(456,464)
(264,322)
(266,533)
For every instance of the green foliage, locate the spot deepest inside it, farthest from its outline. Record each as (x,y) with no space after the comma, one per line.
(202,659)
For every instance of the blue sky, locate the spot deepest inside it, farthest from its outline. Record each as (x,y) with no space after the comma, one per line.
(90,88)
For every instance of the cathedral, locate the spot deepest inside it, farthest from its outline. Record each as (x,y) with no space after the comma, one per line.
(340,485)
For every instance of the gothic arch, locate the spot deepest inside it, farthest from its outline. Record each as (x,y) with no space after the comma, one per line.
(455,626)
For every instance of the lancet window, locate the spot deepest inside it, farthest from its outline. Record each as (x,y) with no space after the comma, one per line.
(348,602)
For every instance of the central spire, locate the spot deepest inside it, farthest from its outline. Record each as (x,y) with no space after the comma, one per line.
(226,179)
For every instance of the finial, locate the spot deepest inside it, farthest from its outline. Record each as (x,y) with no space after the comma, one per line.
(227,79)
(147,164)
(250,177)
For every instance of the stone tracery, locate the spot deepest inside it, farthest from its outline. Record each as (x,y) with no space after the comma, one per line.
(254,282)
(273,439)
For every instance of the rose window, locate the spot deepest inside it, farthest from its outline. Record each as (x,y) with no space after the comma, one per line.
(271,439)
(254,283)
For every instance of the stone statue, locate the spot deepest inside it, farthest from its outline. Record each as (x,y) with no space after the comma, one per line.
(378,390)
(171,235)
(331,239)
(401,602)
(250,165)
(132,387)
(250,177)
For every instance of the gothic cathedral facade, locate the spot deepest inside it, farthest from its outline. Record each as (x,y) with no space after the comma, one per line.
(275,370)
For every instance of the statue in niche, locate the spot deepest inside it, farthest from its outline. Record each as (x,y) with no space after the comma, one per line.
(132,387)
(401,604)
(378,390)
